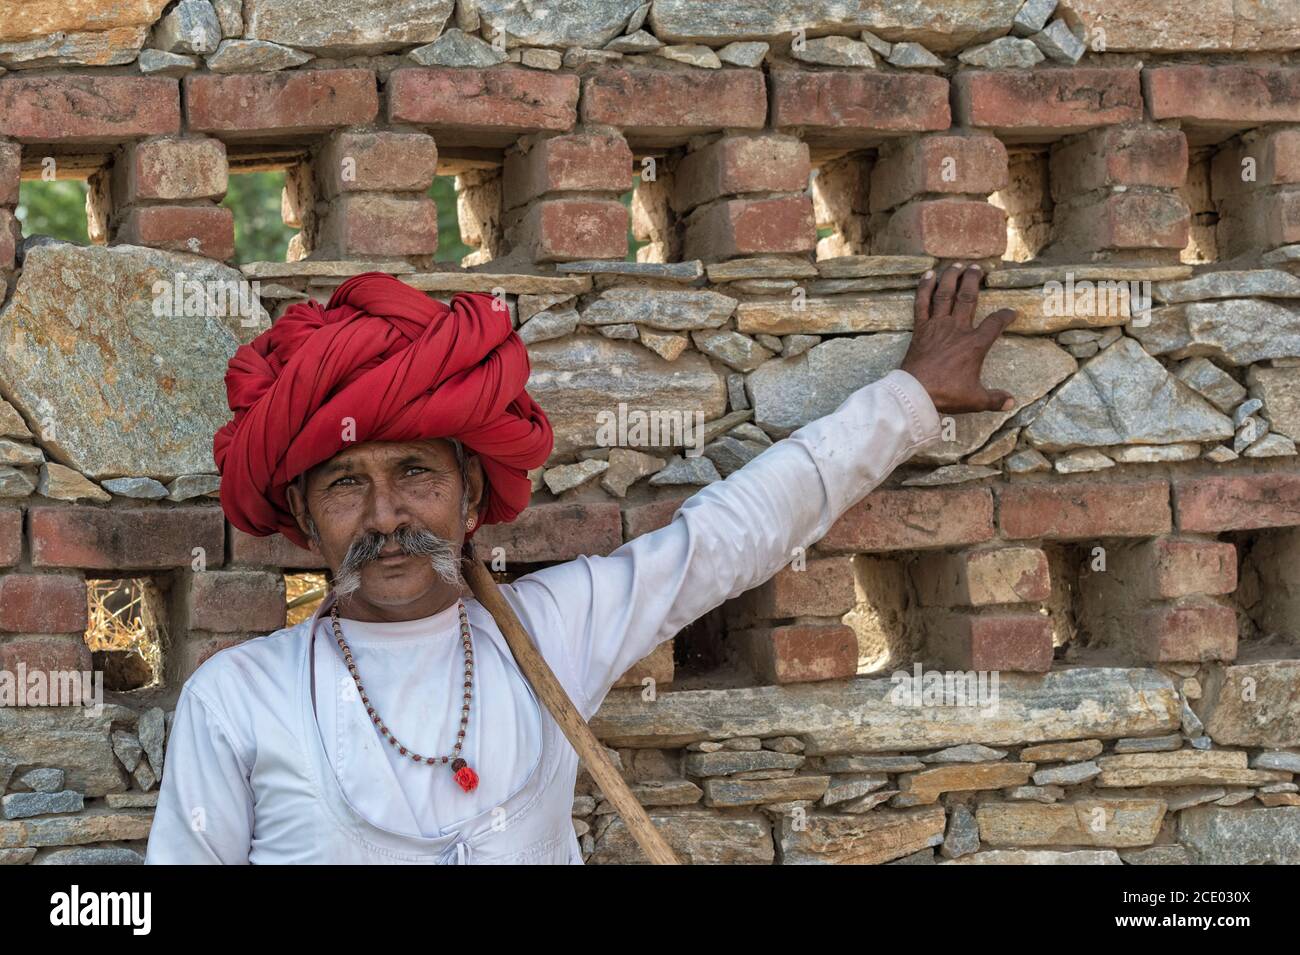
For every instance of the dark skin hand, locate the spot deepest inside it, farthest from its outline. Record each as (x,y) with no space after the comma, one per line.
(947,349)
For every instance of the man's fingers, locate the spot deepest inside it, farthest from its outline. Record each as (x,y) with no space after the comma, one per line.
(924,293)
(994,325)
(968,292)
(999,400)
(943,295)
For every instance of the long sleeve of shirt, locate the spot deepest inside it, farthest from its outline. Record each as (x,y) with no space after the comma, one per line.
(205,804)
(594,617)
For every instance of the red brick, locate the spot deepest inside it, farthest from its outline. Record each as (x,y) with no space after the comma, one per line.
(11,536)
(738,164)
(88,108)
(946,229)
(201,230)
(124,538)
(377,162)
(490,106)
(750,227)
(258,104)
(274,550)
(1123,220)
(10,172)
(667,106)
(1084,511)
(937,163)
(551,532)
(231,601)
(1170,567)
(557,230)
(858,106)
(191,652)
(42,603)
(801,653)
(824,588)
(1230,96)
(47,654)
(1250,223)
(380,224)
(1016,642)
(657,666)
(1119,156)
(983,576)
(1052,101)
(644,518)
(1191,633)
(1275,161)
(170,169)
(888,520)
(1244,502)
(586,161)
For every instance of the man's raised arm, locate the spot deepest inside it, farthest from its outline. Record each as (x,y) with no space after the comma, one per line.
(594,617)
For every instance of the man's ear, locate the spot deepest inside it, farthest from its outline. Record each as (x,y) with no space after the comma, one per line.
(298,507)
(474,465)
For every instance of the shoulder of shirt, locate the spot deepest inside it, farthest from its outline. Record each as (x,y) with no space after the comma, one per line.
(259,670)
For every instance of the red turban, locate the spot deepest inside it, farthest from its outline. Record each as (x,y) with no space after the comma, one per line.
(403,367)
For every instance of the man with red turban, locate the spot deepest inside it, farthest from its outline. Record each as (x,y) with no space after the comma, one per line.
(380,432)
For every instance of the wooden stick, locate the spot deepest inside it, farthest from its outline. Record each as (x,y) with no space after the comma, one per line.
(593,754)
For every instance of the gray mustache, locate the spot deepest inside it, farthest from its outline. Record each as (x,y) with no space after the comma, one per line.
(443,555)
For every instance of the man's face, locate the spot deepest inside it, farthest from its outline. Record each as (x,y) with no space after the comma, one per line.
(389,520)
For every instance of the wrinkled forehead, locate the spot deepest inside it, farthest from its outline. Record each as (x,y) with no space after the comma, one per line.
(382,454)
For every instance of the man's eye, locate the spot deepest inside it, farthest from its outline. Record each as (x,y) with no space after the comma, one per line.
(338,481)
(416,467)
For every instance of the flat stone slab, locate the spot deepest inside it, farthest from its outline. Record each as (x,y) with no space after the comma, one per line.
(509,283)
(1111,823)
(310,268)
(868,716)
(93,825)
(1185,767)
(1259,283)
(1267,716)
(925,787)
(1124,396)
(789,392)
(697,836)
(669,271)
(138,340)
(346,26)
(576,379)
(938,25)
(1039,857)
(1241,836)
(868,839)
(1029,276)
(1238,331)
(70,737)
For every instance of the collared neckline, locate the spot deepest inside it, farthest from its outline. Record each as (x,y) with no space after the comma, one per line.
(465,832)
(375,632)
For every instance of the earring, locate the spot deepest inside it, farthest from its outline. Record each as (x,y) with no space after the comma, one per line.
(469,524)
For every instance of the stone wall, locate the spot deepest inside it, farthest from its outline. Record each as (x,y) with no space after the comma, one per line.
(1114,563)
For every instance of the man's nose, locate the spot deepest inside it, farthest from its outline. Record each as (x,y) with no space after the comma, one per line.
(386,511)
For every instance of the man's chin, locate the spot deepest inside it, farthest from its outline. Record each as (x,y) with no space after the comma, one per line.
(396,583)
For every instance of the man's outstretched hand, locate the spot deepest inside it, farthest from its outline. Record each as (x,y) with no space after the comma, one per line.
(947,350)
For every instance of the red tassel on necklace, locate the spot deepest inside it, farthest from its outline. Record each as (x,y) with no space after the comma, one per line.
(466,778)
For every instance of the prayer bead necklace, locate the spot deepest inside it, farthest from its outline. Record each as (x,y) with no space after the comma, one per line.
(465,777)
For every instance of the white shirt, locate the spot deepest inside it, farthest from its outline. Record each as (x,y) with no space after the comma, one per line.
(255,773)
(413,672)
